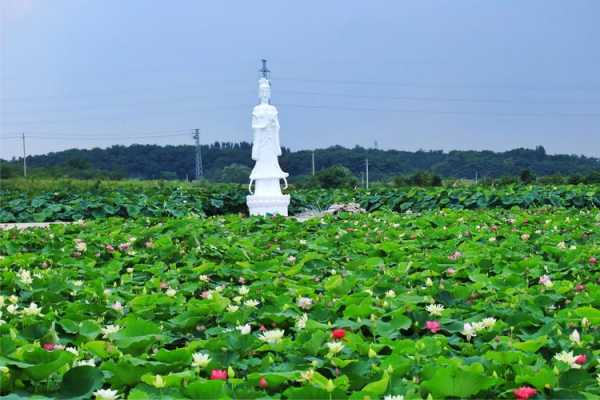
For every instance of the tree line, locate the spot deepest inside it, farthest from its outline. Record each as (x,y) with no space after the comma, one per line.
(231,162)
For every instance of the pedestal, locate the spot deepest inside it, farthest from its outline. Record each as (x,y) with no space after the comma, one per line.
(268,205)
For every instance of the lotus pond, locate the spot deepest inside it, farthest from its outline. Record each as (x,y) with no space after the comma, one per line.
(487,304)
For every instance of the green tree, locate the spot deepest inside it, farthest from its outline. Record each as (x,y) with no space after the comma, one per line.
(336,176)
(235,173)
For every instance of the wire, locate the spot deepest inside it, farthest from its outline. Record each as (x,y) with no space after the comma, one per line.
(326,107)
(587,87)
(436,99)
(100,138)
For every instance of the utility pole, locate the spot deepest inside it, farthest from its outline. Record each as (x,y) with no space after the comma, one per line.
(367,173)
(199,169)
(24,157)
(313,163)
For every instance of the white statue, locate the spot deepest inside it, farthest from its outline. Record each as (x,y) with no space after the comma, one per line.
(266,174)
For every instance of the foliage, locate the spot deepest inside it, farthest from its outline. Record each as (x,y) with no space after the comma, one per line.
(333,177)
(67,200)
(510,288)
(153,161)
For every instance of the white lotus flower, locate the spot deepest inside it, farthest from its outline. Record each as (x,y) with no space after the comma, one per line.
(568,358)
(390,294)
(251,303)
(301,322)
(25,277)
(13,299)
(468,331)
(159,382)
(72,350)
(106,394)
(575,337)
(2,298)
(428,282)
(307,376)
(335,347)
(244,329)
(489,322)
(77,283)
(12,308)
(80,245)
(204,278)
(585,323)
(32,310)
(435,309)
(272,337)
(130,270)
(109,330)
(304,303)
(171,292)
(117,306)
(200,360)
(85,363)
(393,397)
(232,308)
(478,326)
(243,290)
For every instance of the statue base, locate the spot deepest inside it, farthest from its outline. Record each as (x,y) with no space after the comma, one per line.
(268,205)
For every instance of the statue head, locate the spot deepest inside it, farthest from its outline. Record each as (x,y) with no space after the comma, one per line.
(264,91)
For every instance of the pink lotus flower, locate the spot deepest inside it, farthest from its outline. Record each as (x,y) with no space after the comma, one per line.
(109,248)
(164,285)
(455,256)
(581,359)
(262,382)
(124,246)
(545,280)
(524,392)
(205,294)
(433,326)
(450,271)
(580,287)
(48,346)
(338,333)
(218,374)
(593,260)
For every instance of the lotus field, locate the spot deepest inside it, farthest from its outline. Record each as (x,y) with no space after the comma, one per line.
(494,303)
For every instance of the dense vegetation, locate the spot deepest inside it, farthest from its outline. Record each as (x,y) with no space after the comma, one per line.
(25,201)
(485,304)
(230,162)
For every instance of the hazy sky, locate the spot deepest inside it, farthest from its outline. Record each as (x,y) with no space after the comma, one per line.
(454,74)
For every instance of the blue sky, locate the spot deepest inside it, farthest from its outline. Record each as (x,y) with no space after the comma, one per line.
(452,74)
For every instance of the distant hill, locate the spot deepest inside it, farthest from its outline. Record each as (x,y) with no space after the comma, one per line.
(170,162)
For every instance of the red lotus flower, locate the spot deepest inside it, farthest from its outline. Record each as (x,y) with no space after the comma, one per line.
(262,382)
(433,326)
(581,359)
(524,392)
(338,333)
(48,346)
(218,374)
(593,260)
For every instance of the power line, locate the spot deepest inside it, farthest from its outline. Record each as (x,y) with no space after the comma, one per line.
(438,99)
(585,86)
(433,112)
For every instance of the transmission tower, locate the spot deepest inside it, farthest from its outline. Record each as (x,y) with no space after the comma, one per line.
(199,169)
